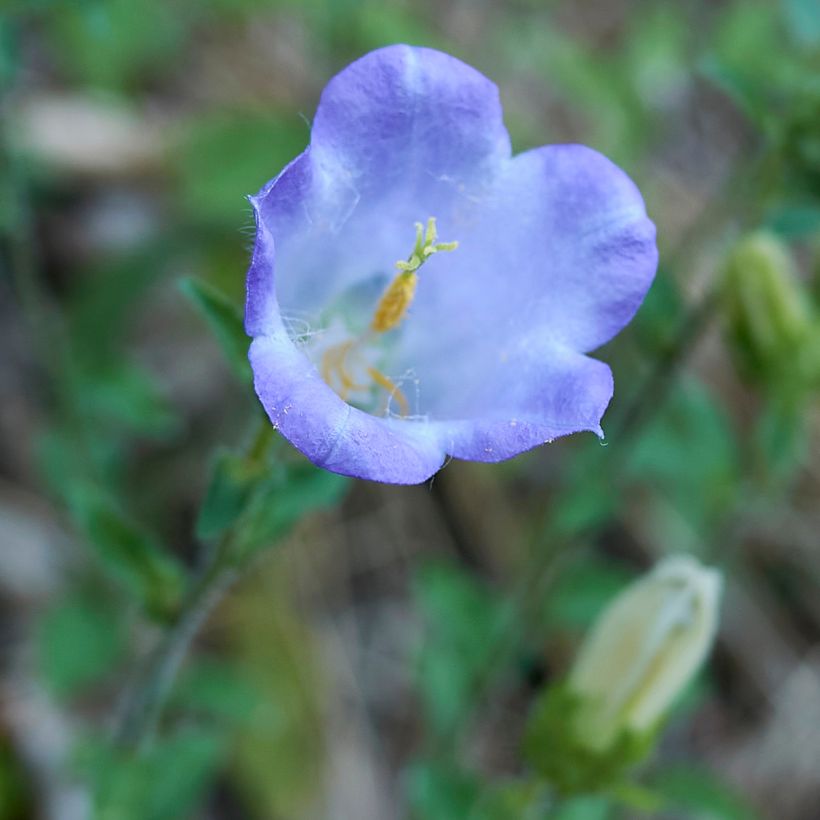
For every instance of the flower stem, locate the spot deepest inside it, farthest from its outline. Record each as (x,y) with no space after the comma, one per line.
(142,705)
(144,700)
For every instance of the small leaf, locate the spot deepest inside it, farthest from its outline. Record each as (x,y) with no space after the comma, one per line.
(583,808)
(216,689)
(80,640)
(128,553)
(803,21)
(163,783)
(794,220)
(124,398)
(462,642)
(225,322)
(280,499)
(231,484)
(701,794)
(439,792)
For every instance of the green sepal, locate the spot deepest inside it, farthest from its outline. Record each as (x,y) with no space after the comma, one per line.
(555,750)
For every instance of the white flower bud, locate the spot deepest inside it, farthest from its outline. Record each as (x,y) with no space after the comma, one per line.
(644,649)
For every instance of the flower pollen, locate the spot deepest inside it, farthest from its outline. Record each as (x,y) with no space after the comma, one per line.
(390,311)
(396,300)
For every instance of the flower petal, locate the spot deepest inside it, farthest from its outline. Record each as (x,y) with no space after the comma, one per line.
(531,403)
(580,242)
(400,135)
(409,116)
(331,433)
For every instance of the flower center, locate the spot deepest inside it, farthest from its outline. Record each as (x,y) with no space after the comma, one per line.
(388,315)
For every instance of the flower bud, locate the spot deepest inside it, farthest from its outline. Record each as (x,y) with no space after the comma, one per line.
(643,651)
(767,313)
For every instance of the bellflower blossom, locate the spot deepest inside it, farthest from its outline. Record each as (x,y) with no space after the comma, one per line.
(433,295)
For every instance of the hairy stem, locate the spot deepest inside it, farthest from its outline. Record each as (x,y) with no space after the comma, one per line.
(142,705)
(144,700)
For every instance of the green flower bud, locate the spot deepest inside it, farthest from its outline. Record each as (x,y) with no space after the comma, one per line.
(585,733)
(643,651)
(767,312)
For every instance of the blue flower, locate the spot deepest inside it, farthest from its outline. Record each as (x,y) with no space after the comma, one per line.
(378,349)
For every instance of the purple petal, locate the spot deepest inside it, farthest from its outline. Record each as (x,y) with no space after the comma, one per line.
(331,433)
(409,116)
(581,224)
(565,393)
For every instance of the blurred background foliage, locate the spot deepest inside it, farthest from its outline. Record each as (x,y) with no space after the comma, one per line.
(381,661)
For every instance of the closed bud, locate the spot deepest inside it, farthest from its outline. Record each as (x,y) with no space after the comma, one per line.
(586,733)
(767,312)
(643,651)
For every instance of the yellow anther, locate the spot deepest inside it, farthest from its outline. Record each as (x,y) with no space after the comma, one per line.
(390,310)
(394,302)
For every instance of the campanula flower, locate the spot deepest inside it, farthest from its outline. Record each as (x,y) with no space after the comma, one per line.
(416,292)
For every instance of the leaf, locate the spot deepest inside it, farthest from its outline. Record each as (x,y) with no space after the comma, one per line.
(165,782)
(124,399)
(583,808)
(438,792)
(281,498)
(216,689)
(701,794)
(464,619)
(582,591)
(689,450)
(126,552)
(782,438)
(232,482)
(795,220)
(224,157)
(225,322)
(803,21)
(79,639)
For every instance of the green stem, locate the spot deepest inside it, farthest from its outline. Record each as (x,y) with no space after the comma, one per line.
(145,699)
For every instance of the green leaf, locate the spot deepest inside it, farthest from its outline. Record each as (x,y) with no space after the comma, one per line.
(216,689)
(225,322)
(701,795)
(116,43)
(16,799)
(231,485)
(165,782)
(782,437)
(464,620)
(795,220)
(583,808)
(280,499)
(80,639)
(438,792)
(582,591)
(803,21)
(123,399)
(126,552)
(223,157)
(689,450)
